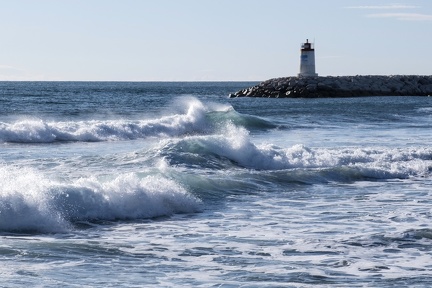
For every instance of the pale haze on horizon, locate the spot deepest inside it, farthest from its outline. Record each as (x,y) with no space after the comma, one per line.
(204,40)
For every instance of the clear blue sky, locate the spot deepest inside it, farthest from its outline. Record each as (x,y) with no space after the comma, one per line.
(194,40)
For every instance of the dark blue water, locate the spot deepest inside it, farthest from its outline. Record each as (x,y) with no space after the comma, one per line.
(118,184)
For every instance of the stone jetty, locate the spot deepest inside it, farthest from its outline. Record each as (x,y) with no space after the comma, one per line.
(340,86)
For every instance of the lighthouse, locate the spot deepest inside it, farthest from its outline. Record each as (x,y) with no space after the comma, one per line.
(307,60)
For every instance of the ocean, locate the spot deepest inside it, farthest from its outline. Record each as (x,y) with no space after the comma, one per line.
(173,184)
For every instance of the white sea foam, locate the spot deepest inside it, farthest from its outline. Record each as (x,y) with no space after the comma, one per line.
(30,201)
(425,109)
(381,163)
(190,121)
(189,117)
(271,217)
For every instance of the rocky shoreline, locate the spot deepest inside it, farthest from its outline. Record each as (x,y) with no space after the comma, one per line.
(340,86)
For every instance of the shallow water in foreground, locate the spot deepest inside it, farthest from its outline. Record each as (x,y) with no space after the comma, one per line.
(175,185)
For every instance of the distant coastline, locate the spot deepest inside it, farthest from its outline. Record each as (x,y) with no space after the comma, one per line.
(340,86)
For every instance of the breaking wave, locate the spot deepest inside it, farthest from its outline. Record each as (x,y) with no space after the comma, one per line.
(194,118)
(31,202)
(235,148)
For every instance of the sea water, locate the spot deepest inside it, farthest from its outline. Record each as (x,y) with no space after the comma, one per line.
(106,184)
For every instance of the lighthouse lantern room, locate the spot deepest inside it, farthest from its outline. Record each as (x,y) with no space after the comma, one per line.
(307,60)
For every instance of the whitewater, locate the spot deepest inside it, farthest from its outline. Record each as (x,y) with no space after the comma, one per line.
(173,184)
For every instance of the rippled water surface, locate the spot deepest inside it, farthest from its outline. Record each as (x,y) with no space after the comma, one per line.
(176,185)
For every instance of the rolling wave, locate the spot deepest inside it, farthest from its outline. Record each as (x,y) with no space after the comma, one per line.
(194,118)
(31,202)
(235,149)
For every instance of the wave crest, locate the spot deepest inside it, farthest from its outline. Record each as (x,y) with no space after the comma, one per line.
(235,146)
(194,118)
(30,202)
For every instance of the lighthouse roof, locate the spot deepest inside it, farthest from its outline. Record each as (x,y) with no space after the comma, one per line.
(307,46)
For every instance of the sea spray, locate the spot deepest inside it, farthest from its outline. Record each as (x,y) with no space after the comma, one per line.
(319,202)
(31,202)
(235,145)
(42,131)
(25,203)
(191,117)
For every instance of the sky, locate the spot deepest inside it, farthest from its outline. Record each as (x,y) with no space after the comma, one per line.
(210,40)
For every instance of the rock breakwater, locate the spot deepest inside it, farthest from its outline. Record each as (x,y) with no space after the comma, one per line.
(340,86)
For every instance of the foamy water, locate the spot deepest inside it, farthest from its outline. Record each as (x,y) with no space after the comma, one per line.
(175,185)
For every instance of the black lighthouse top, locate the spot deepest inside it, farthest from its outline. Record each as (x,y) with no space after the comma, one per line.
(307,46)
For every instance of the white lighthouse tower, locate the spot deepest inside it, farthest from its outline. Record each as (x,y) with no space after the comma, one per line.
(307,60)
